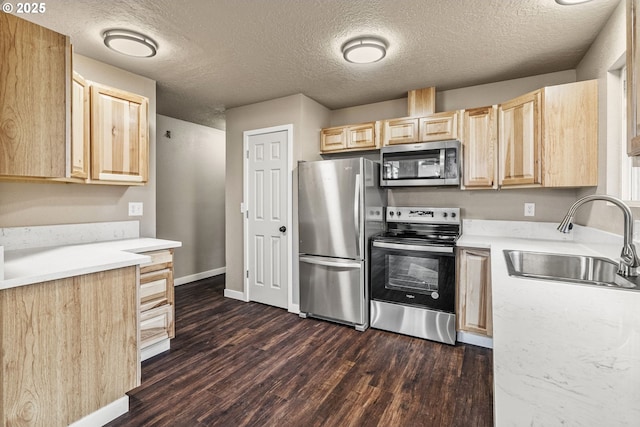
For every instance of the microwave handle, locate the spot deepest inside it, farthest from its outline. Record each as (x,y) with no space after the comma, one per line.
(442,160)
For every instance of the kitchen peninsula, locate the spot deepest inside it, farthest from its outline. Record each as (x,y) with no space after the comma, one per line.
(69,321)
(564,353)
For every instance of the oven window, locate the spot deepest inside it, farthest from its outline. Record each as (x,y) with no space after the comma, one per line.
(412,274)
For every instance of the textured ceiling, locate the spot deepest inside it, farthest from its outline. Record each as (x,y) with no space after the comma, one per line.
(219,54)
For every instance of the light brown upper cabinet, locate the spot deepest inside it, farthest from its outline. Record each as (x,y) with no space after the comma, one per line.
(365,136)
(80,126)
(409,130)
(480,147)
(633,79)
(549,137)
(400,131)
(35,65)
(439,126)
(519,140)
(119,135)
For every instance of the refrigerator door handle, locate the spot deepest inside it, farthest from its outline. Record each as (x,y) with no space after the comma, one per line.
(318,261)
(356,212)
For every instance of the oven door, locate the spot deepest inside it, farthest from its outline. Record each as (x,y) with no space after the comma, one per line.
(413,274)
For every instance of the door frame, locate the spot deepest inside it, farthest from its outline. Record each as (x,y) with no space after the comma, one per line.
(246,206)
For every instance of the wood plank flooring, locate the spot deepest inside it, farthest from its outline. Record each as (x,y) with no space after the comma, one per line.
(246,364)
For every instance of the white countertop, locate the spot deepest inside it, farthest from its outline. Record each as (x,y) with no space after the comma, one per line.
(564,354)
(34,265)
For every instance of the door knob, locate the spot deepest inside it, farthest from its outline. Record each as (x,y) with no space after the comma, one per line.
(282,229)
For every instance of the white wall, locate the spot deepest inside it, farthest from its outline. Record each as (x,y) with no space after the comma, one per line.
(24,204)
(190,196)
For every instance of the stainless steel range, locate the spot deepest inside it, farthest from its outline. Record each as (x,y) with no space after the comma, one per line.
(413,273)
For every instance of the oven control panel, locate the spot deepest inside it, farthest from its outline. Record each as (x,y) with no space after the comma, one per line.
(424,215)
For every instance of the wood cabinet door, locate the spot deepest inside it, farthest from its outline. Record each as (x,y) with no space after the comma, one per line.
(474,291)
(80,124)
(119,135)
(35,87)
(519,133)
(480,147)
(570,135)
(400,131)
(75,336)
(333,139)
(156,325)
(633,79)
(362,136)
(439,126)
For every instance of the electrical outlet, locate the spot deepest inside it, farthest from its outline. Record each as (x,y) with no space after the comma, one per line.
(135,208)
(529,209)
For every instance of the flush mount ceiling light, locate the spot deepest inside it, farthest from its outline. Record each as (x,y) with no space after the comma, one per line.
(364,50)
(130,43)
(571,2)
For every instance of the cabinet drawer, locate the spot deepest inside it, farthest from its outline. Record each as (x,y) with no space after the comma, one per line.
(156,325)
(400,131)
(439,127)
(362,136)
(159,261)
(333,139)
(155,289)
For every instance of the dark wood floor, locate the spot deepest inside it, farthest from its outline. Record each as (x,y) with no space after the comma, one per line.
(247,364)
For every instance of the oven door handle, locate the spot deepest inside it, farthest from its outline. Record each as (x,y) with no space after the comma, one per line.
(326,263)
(418,248)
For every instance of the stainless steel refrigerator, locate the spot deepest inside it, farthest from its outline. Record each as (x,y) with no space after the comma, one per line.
(340,206)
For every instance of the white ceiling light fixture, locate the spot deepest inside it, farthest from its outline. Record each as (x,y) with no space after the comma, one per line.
(364,50)
(571,2)
(130,43)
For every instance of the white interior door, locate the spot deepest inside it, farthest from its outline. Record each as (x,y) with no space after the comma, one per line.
(268,247)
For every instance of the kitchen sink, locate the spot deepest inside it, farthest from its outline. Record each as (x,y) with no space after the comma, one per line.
(581,269)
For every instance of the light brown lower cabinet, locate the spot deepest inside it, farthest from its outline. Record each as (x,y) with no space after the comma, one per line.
(156,300)
(473,296)
(69,347)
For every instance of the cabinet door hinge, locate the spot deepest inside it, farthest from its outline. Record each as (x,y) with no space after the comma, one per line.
(247,274)
(247,154)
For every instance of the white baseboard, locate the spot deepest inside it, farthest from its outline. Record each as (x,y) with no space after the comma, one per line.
(473,339)
(230,293)
(105,414)
(295,308)
(199,276)
(155,349)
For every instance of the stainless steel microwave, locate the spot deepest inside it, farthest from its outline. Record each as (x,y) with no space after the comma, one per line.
(426,163)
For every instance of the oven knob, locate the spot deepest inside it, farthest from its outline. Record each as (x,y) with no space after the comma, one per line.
(444,214)
(453,214)
(399,213)
(377,212)
(390,213)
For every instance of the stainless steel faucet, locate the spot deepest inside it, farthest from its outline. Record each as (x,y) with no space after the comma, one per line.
(629,263)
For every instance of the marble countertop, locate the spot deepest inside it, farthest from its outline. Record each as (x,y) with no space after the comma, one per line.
(34,265)
(563,353)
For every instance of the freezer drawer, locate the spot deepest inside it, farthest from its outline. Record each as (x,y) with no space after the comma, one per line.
(333,289)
